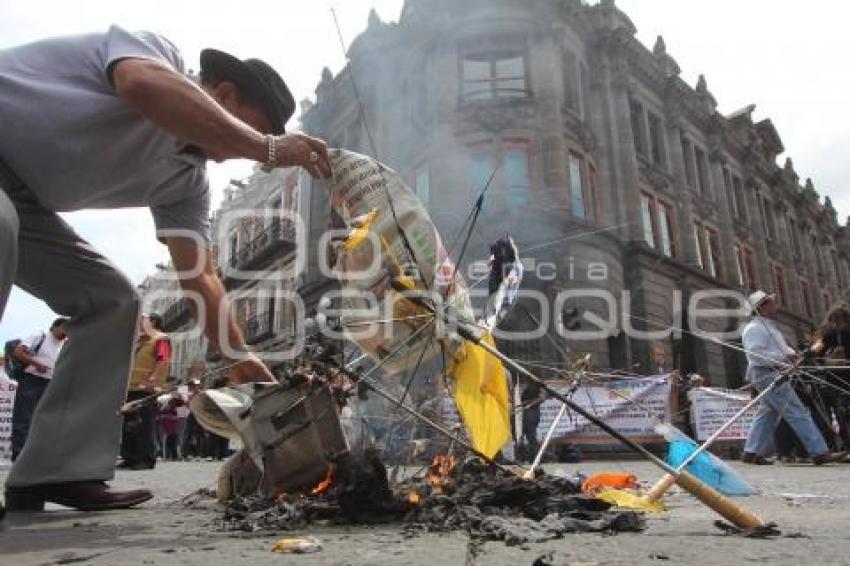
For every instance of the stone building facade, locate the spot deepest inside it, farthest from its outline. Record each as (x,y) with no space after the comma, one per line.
(255,237)
(616,178)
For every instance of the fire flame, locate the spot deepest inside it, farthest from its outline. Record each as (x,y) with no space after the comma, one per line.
(323,486)
(414,498)
(438,474)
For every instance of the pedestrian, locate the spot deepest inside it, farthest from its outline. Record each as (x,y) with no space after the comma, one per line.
(532,397)
(832,345)
(767,353)
(192,441)
(37,357)
(139,438)
(170,426)
(113,120)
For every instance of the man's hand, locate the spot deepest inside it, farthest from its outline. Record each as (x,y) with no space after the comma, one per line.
(250,370)
(304,151)
(40,367)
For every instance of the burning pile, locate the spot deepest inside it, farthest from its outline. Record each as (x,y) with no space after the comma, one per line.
(486,502)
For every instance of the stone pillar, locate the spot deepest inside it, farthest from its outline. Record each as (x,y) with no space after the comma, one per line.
(598,111)
(546,74)
(623,149)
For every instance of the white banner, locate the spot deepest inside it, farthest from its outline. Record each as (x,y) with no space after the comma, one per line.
(7,400)
(631,406)
(712,407)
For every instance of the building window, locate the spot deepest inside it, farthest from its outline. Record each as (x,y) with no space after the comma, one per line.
(656,140)
(665,229)
(806,300)
(702,171)
(713,248)
(511,182)
(838,279)
(816,253)
(233,249)
(746,268)
(767,218)
(481,170)
(708,249)
(578,183)
(517,176)
(490,75)
(750,269)
(647,219)
(779,285)
(688,157)
(638,129)
(699,245)
(795,237)
(730,192)
(740,199)
(571,81)
(423,185)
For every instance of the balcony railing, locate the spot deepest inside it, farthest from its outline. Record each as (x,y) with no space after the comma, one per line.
(274,242)
(258,327)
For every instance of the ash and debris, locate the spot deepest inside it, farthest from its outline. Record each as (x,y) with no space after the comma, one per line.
(485,502)
(320,364)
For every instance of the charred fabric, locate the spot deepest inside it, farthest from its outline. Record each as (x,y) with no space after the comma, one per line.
(487,502)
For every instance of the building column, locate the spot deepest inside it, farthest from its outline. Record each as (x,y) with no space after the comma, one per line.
(623,149)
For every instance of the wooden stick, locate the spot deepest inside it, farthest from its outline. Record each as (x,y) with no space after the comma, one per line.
(710,497)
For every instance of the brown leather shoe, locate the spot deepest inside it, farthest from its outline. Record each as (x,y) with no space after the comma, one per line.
(829,458)
(82,495)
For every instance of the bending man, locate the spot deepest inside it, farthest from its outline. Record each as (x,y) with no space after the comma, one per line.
(110,120)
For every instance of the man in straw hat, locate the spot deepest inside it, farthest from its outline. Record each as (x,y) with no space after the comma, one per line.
(111,120)
(767,352)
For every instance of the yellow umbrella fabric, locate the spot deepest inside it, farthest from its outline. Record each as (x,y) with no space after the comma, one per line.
(481,395)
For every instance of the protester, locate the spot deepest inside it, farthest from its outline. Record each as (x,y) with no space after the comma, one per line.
(150,369)
(37,356)
(832,344)
(532,397)
(767,353)
(192,443)
(111,120)
(169,426)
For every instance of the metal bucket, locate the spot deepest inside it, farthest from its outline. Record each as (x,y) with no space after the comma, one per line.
(292,434)
(300,435)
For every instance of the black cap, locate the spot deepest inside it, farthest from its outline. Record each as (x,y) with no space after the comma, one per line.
(256,81)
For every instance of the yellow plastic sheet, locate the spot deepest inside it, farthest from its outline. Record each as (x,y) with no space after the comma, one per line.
(481,395)
(628,500)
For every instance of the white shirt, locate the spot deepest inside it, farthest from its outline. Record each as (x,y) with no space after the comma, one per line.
(765,344)
(47,353)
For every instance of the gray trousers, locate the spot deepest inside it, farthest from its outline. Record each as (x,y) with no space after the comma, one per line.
(76,428)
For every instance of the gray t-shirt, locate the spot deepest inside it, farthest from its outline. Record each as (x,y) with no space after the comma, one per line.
(67,134)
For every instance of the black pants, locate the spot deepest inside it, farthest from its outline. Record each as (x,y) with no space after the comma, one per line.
(530,422)
(138,439)
(28,394)
(193,438)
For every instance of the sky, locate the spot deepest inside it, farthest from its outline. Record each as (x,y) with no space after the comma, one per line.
(785,56)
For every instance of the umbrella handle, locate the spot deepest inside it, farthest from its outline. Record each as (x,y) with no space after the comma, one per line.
(657,491)
(712,498)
